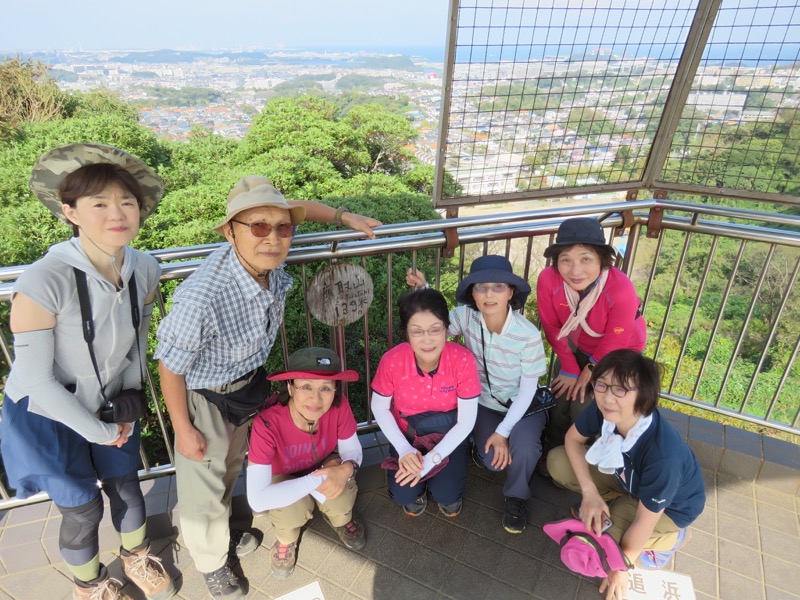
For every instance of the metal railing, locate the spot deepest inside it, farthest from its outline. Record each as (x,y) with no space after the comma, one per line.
(566,98)
(719,296)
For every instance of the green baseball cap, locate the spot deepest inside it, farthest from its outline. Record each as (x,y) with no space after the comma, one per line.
(314,363)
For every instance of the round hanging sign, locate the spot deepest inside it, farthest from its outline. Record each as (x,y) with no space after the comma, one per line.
(340,294)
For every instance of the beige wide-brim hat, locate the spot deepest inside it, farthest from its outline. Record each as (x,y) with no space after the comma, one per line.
(53,167)
(253,191)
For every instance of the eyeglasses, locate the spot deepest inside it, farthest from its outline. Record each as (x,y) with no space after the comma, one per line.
(497,288)
(434,331)
(618,390)
(262,230)
(324,390)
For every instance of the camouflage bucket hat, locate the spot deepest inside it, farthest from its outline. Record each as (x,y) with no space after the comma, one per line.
(53,167)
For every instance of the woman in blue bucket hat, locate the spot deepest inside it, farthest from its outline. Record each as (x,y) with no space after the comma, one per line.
(587,308)
(510,355)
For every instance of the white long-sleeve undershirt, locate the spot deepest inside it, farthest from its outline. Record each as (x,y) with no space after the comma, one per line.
(519,404)
(263,495)
(465,421)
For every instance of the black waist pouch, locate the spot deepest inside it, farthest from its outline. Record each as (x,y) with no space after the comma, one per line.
(430,422)
(126,407)
(543,399)
(242,405)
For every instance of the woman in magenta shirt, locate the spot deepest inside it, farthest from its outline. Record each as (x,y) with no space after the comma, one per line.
(304,451)
(425,399)
(587,309)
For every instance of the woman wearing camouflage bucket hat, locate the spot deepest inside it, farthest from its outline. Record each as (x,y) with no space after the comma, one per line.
(304,451)
(53,439)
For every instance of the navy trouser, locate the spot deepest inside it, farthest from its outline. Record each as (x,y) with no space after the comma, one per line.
(447,486)
(524,443)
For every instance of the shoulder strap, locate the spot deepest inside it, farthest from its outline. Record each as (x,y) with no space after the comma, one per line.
(593,543)
(506,403)
(88,322)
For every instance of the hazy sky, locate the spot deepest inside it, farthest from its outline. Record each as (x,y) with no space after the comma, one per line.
(207,24)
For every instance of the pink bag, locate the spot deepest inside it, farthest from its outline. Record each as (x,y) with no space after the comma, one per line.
(585,553)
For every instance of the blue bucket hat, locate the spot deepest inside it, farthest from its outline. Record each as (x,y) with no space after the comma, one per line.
(493,269)
(585,231)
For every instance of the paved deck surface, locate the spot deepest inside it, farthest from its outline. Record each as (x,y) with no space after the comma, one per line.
(745,546)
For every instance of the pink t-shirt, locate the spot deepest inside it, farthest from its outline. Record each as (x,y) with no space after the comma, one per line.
(277,441)
(413,391)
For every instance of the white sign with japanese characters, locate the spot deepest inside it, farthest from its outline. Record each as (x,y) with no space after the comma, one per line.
(340,294)
(312,591)
(659,585)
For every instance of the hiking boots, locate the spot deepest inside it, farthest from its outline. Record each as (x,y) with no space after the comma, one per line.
(417,507)
(102,588)
(242,543)
(223,583)
(515,515)
(282,558)
(146,572)
(658,559)
(451,510)
(352,535)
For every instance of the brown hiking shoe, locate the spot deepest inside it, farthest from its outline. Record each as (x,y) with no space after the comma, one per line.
(282,558)
(102,588)
(147,573)
(351,534)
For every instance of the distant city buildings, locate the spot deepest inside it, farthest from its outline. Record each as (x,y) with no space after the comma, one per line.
(564,122)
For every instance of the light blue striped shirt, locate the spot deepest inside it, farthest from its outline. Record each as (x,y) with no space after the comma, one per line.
(515,352)
(223,323)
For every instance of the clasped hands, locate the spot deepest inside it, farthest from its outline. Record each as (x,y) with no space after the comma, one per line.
(125,430)
(409,471)
(336,476)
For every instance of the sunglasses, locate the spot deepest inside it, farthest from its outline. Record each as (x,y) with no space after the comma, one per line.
(262,230)
(497,288)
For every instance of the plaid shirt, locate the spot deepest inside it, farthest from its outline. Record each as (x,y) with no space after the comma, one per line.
(223,323)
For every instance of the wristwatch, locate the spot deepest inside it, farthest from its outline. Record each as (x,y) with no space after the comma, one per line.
(337,218)
(355,468)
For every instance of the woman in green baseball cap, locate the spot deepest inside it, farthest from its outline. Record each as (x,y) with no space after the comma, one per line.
(304,451)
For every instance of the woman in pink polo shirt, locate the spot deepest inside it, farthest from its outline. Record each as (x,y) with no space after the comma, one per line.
(292,460)
(425,400)
(588,308)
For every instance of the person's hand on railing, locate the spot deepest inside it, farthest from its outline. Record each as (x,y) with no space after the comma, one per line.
(360,223)
(415,279)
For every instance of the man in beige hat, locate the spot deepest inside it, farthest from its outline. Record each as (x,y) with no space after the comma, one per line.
(211,350)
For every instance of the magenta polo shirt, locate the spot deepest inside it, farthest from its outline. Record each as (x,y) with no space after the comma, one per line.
(414,391)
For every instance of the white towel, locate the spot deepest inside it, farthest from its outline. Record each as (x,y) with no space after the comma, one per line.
(606,452)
